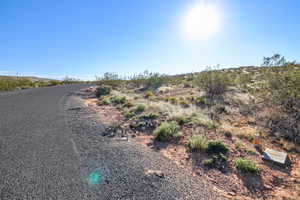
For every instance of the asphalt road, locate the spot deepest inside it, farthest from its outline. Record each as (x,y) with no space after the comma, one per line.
(51,147)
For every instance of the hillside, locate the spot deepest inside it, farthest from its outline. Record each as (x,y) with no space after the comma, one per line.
(216,124)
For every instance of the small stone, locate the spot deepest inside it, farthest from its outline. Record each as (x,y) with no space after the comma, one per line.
(75,108)
(268,187)
(123,139)
(232,193)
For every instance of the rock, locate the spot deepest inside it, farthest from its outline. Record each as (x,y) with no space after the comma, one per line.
(275,156)
(122,139)
(268,187)
(231,193)
(75,108)
(157,173)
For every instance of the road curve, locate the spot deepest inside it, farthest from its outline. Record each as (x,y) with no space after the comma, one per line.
(52,148)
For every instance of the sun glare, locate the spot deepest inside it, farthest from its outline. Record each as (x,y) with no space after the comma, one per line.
(201,21)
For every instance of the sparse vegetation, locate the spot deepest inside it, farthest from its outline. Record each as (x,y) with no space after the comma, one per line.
(149,94)
(227,112)
(216,147)
(166,131)
(197,142)
(216,161)
(246,165)
(140,108)
(150,116)
(117,100)
(102,91)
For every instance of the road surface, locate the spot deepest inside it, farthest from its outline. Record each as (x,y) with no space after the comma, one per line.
(52,148)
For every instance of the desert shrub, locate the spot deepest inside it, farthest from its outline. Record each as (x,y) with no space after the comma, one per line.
(128,104)
(154,81)
(178,135)
(183,103)
(285,87)
(118,100)
(228,134)
(111,79)
(181,120)
(216,147)
(102,102)
(102,91)
(216,161)
(19,83)
(150,116)
(238,144)
(246,165)
(200,101)
(219,109)
(149,94)
(250,152)
(140,108)
(166,130)
(203,121)
(173,100)
(215,83)
(54,82)
(128,114)
(197,142)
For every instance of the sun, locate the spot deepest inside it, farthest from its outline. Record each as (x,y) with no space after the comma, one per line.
(201,21)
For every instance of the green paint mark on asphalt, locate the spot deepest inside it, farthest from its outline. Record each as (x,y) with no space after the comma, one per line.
(94,178)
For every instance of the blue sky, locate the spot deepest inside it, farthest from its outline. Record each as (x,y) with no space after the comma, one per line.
(83,38)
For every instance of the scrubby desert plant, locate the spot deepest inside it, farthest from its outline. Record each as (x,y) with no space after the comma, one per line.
(246,165)
(183,103)
(181,120)
(149,94)
(215,83)
(216,161)
(150,116)
(166,131)
(197,142)
(102,102)
(140,108)
(118,100)
(102,91)
(202,120)
(216,147)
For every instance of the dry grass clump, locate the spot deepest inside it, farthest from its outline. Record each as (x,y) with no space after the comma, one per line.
(197,142)
(166,130)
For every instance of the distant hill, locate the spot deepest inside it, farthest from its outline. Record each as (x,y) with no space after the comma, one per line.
(31,78)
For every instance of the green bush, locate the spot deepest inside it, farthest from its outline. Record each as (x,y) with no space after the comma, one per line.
(200,101)
(173,100)
(150,116)
(149,94)
(166,131)
(216,147)
(103,102)
(216,161)
(183,103)
(250,152)
(182,120)
(197,142)
(102,91)
(246,165)
(140,108)
(128,114)
(215,83)
(118,100)
(54,82)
